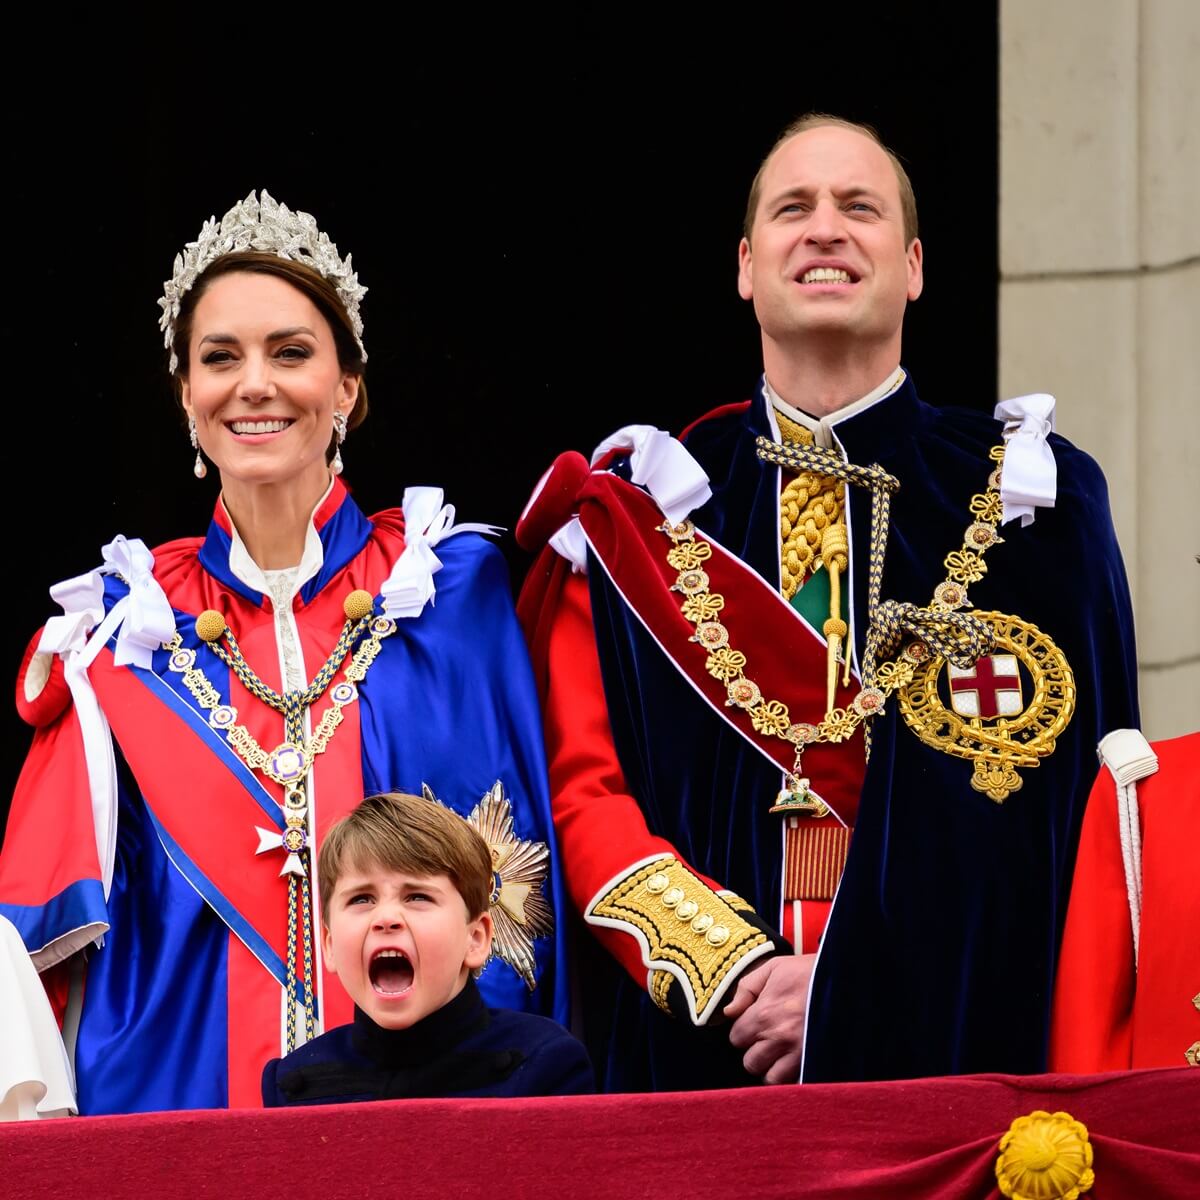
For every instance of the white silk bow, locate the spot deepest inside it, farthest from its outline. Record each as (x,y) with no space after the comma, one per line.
(571,543)
(142,620)
(662,465)
(427,521)
(1029,477)
(659,463)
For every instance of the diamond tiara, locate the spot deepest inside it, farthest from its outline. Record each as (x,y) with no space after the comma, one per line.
(271,227)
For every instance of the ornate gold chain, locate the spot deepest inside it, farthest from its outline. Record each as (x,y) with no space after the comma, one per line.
(939,625)
(291,761)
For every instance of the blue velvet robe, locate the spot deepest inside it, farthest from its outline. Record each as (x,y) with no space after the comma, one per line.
(940,950)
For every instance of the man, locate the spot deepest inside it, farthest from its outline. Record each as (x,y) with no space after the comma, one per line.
(809,654)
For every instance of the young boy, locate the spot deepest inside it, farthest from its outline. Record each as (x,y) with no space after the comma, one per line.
(405,887)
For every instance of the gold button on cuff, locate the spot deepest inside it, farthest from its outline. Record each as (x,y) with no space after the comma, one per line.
(691,958)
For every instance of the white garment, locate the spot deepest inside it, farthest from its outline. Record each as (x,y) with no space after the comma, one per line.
(35,1075)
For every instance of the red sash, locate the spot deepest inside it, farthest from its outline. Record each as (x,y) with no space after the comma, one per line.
(785,656)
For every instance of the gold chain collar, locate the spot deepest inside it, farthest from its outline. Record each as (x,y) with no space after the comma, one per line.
(290,763)
(772,718)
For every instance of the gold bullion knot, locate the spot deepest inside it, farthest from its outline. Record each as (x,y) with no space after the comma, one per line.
(690,933)
(210,625)
(1045,1156)
(358,605)
(810,506)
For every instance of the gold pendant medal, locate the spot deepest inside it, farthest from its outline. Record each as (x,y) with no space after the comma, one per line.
(988,720)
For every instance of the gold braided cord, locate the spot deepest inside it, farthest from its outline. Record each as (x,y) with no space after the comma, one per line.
(310,1020)
(874,477)
(291,965)
(810,504)
(957,636)
(291,703)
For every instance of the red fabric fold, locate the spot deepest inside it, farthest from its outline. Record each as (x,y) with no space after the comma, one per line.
(932,1139)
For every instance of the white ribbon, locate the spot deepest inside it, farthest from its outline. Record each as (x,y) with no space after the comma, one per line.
(1029,476)
(145,616)
(143,620)
(660,463)
(571,543)
(1129,758)
(427,521)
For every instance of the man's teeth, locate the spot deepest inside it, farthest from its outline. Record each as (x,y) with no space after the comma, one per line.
(259,426)
(825,275)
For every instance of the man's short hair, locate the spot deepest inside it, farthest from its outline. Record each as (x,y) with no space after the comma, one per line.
(411,835)
(818,120)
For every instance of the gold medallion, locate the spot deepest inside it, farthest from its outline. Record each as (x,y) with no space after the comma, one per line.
(989,720)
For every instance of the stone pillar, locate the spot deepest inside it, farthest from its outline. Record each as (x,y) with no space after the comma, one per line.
(1100,286)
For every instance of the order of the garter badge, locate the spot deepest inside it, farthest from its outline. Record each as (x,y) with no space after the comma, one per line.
(1003,713)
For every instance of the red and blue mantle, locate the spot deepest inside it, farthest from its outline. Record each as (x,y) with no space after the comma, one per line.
(182,1003)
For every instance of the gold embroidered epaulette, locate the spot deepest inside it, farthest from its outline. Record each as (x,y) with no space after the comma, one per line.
(688,933)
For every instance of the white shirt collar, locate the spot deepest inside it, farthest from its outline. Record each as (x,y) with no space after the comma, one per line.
(822,428)
(311,561)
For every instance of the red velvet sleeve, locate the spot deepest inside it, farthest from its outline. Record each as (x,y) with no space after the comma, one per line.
(601,829)
(42,675)
(1093,1001)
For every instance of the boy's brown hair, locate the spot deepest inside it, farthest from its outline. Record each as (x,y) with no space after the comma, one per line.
(409,834)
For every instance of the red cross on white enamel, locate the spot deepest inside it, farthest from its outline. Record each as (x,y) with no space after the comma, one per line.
(989,689)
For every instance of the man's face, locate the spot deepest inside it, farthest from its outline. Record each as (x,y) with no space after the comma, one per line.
(827,257)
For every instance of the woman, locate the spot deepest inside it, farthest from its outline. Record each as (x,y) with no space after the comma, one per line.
(206,711)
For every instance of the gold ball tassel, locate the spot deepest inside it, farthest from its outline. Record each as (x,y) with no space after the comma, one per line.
(210,626)
(835,554)
(358,605)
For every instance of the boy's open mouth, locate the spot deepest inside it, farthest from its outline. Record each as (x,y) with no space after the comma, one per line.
(390,971)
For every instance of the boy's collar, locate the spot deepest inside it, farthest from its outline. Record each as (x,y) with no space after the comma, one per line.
(429,1038)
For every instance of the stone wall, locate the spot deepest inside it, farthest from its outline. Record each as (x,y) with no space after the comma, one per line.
(1100,286)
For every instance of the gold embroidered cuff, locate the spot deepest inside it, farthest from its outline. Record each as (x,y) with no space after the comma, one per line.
(687,932)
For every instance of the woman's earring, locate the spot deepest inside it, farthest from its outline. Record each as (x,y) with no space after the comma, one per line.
(198,469)
(339,432)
